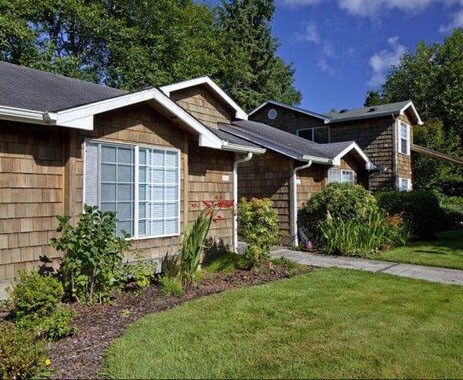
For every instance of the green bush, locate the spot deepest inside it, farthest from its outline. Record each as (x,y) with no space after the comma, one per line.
(21,355)
(359,237)
(139,272)
(92,261)
(338,201)
(258,225)
(36,306)
(421,209)
(453,212)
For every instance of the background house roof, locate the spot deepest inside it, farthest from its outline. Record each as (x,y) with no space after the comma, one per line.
(288,144)
(23,87)
(297,109)
(374,111)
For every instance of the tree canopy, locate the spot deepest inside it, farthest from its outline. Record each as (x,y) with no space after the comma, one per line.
(132,44)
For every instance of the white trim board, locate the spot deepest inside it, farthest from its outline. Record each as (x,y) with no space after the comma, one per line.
(239,112)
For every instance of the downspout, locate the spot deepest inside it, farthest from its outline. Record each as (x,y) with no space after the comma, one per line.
(293,203)
(235,199)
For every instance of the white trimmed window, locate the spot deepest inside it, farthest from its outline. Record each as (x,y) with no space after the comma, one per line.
(141,184)
(405,184)
(341,176)
(404,138)
(319,135)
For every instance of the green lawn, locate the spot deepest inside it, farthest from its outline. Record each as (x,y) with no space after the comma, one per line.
(446,251)
(332,323)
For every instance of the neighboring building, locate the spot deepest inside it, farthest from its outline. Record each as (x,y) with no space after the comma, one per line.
(64,142)
(293,169)
(384,132)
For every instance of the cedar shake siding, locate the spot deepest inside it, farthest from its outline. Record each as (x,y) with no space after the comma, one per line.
(42,175)
(269,176)
(286,120)
(203,104)
(31,181)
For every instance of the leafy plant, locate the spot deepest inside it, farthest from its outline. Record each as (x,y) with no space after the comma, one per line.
(22,356)
(258,225)
(92,254)
(194,238)
(171,286)
(139,272)
(36,306)
(359,237)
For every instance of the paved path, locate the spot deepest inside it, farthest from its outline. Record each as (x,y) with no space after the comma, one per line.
(433,274)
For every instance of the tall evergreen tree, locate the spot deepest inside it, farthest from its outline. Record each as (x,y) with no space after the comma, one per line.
(252,72)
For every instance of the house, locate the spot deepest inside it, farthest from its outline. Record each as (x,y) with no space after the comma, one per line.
(293,169)
(66,142)
(384,132)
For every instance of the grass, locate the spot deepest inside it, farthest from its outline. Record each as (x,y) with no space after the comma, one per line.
(445,251)
(332,323)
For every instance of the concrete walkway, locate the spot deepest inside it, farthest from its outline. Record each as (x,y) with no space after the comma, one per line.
(433,274)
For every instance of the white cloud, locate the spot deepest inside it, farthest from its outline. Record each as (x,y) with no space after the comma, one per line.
(457,22)
(310,33)
(324,66)
(328,50)
(383,60)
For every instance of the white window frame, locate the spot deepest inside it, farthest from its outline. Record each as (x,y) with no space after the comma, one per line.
(400,124)
(341,172)
(313,131)
(136,148)
(408,182)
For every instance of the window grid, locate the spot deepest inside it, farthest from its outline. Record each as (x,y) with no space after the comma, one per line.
(404,184)
(142,184)
(404,138)
(319,135)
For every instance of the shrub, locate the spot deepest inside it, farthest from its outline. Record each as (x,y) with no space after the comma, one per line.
(258,225)
(339,201)
(420,208)
(36,306)
(139,272)
(453,212)
(171,286)
(21,355)
(92,254)
(357,237)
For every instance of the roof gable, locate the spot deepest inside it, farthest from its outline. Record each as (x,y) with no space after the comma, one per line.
(292,108)
(239,112)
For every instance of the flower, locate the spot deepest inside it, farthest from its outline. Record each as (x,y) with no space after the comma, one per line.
(47,362)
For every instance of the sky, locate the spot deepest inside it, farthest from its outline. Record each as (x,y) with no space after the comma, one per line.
(340,49)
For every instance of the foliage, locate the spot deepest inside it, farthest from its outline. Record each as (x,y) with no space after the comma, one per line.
(373,99)
(22,356)
(420,209)
(139,272)
(171,286)
(359,237)
(251,71)
(258,225)
(222,260)
(92,254)
(338,201)
(36,306)
(453,211)
(432,77)
(135,44)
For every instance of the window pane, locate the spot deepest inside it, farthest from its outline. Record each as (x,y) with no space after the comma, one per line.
(142,210)
(142,154)
(321,135)
(158,210)
(124,211)
(124,173)
(108,172)
(157,227)
(142,228)
(108,192)
(158,157)
(171,210)
(124,192)
(403,146)
(108,153)
(171,226)
(404,131)
(334,175)
(306,134)
(142,192)
(158,176)
(158,193)
(171,193)
(171,176)
(171,159)
(124,226)
(347,176)
(142,174)
(108,206)
(124,155)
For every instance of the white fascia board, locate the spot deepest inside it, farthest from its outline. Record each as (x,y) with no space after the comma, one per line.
(410,104)
(239,112)
(353,146)
(27,116)
(242,148)
(317,160)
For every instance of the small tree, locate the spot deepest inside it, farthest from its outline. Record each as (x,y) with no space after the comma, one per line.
(92,254)
(258,225)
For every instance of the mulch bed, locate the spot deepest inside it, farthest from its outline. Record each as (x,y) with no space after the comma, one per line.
(82,355)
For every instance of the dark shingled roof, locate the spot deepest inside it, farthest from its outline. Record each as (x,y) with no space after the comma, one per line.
(286,143)
(232,139)
(23,87)
(367,112)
